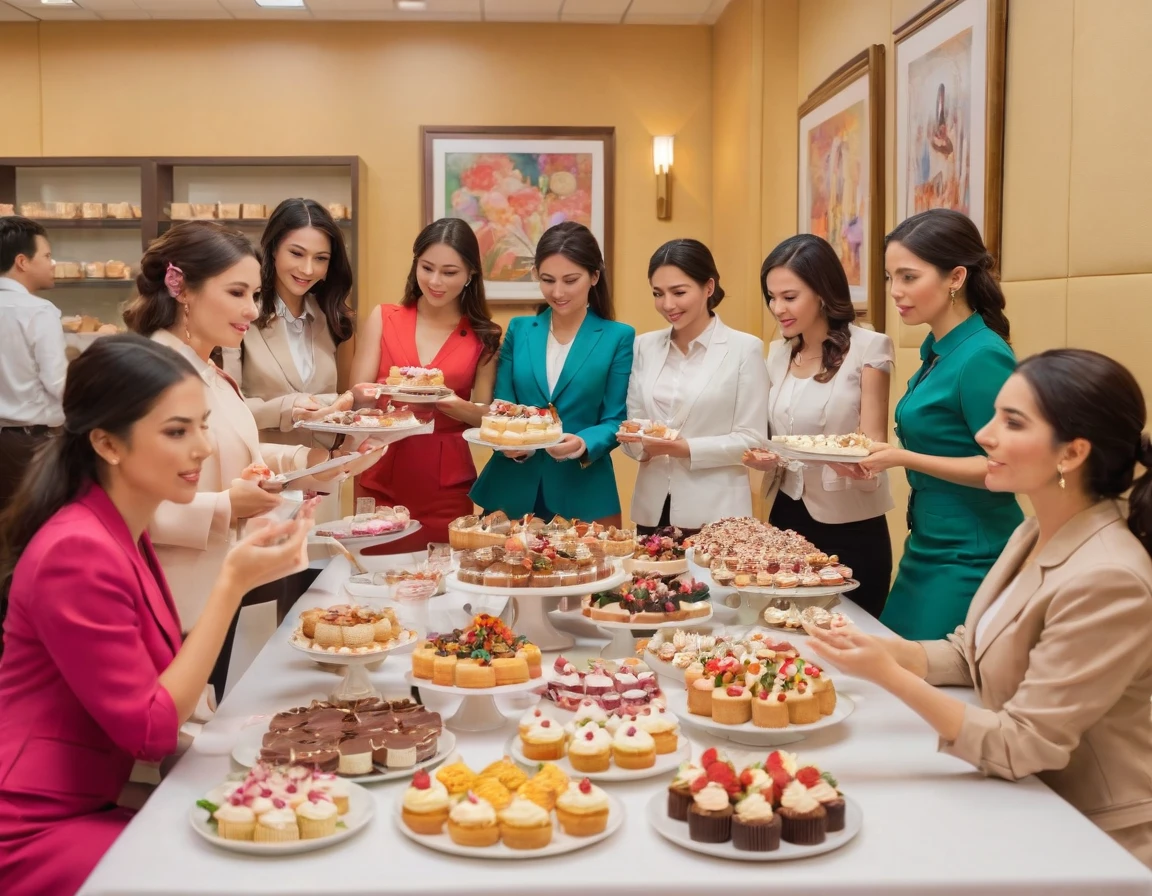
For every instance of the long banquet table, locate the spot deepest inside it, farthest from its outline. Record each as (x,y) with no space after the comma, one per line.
(932,825)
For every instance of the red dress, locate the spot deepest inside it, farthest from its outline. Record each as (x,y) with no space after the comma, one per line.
(432,474)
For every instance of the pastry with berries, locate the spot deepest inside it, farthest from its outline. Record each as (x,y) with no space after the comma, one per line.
(590,749)
(804,819)
(732,705)
(650,599)
(823,787)
(661,553)
(633,748)
(425,805)
(710,816)
(755,825)
(582,809)
(680,790)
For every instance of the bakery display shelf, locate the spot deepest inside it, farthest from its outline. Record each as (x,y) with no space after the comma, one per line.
(90,223)
(94,282)
(260,223)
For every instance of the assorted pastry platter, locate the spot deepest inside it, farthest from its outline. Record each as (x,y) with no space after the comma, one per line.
(473,436)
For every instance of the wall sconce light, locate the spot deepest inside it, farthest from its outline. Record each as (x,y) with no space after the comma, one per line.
(662,160)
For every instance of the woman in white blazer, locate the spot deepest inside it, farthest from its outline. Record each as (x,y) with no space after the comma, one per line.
(293,361)
(703,379)
(196,292)
(826,376)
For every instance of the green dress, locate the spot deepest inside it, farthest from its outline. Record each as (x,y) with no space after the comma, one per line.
(955,533)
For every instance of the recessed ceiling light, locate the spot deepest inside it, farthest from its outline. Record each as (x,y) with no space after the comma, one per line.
(411,5)
(281,4)
(57,2)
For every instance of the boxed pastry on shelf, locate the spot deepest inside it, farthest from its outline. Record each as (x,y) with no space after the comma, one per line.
(87,325)
(94,270)
(226,210)
(253,211)
(6,209)
(92,210)
(117,270)
(121,210)
(339,211)
(67,270)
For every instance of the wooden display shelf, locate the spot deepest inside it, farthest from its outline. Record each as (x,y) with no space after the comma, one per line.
(90,223)
(99,283)
(236,222)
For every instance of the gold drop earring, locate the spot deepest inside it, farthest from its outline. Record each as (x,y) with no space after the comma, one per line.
(952,295)
(187,332)
(1060,473)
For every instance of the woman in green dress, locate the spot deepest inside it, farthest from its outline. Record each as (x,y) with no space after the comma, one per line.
(940,274)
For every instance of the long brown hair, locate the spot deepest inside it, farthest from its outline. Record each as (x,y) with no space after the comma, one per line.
(111,386)
(1086,395)
(332,292)
(815,262)
(457,234)
(947,240)
(577,243)
(201,249)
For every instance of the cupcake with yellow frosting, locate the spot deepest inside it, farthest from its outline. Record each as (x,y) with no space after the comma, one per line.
(472,822)
(525,825)
(425,805)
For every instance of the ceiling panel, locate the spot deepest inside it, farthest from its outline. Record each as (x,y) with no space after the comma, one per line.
(522,10)
(64,14)
(102,6)
(12,14)
(168,6)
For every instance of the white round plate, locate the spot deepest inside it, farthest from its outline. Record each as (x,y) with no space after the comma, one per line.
(648,626)
(677,832)
(358,542)
(362,430)
(415,394)
(561,842)
(251,739)
(747,732)
(659,568)
(618,578)
(426,685)
(816,457)
(666,763)
(361,808)
(797,593)
(347,659)
(473,436)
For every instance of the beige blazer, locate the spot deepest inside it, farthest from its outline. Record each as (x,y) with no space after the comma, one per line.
(271,382)
(1064,671)
(192,539)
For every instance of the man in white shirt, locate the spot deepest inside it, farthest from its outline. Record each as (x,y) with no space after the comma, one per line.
(32,360)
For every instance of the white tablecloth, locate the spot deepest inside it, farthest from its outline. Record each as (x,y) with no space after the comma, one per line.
(931,823)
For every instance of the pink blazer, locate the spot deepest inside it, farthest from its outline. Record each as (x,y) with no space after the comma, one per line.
(90,626)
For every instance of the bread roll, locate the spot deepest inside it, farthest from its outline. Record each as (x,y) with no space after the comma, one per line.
(121,210)
(7,208)
(253,211)
(92,210)
(225,210)
(116,270)
(94,270)
(181,211)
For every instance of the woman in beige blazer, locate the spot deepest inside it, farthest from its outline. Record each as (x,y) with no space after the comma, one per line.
(196,292)
(1058,639)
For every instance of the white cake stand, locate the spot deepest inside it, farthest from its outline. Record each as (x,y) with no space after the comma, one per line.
(478,710)
(355,685)
(622,635)
(531,615)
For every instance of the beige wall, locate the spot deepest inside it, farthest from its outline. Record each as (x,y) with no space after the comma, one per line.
(364,89)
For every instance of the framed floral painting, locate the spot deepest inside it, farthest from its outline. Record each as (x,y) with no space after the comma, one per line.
(841,174)
(513,183)
(950,60)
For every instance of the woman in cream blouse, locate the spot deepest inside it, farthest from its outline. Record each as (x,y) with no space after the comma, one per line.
(196,289)
(827,376)
(1058,639)
(702,379)
(292,363)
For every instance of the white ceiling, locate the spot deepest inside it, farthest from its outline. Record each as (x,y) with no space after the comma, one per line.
(610,12)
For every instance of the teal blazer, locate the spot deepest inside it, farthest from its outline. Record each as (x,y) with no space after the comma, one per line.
(591,399)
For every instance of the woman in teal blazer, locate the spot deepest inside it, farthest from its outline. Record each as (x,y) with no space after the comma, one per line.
(575,356)
(941,274)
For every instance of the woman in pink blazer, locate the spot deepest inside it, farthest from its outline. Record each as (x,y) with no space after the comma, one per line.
(93,674)
(1058,639)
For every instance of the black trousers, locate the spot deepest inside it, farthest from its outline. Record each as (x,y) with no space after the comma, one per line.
(665,520)
(285,592)
(18,444)
(865,546)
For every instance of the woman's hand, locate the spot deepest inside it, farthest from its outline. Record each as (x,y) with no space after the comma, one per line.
(665,447)
(248,499)
(883,457)
(571,446)
(311,411)
(853,652)
(850,471)
(761,459)
(365,395)
(362,458)
(269,551)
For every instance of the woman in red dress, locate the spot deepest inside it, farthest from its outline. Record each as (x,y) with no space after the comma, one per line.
(443,322)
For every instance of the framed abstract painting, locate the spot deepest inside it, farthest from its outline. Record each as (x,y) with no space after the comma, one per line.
(950,61)
(841,176)
(513,183)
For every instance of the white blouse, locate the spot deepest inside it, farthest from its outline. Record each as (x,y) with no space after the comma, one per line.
(990,614)
(680,368)
(555,357)
(300,343)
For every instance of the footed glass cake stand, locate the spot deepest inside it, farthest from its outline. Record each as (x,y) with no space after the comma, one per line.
(531,614)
